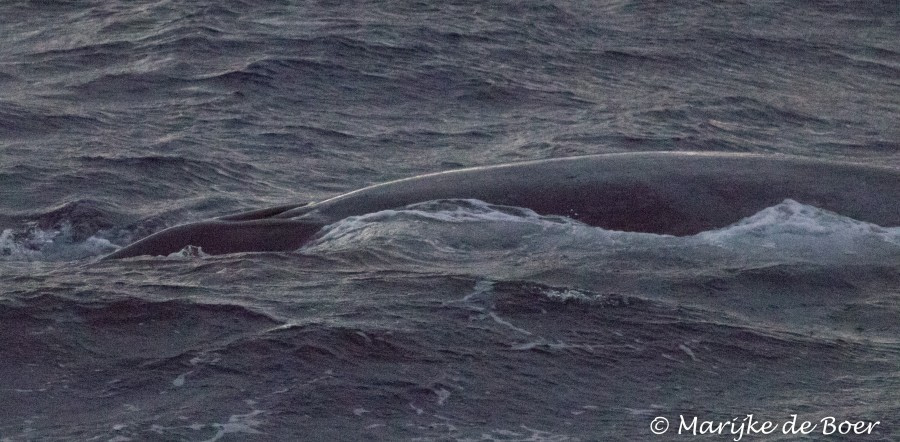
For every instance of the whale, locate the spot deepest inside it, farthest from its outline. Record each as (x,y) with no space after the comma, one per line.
(673,193)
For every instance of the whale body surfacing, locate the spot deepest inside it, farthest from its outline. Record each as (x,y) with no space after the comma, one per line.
(676,193)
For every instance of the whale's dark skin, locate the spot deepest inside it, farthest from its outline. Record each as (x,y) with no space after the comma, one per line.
(673,193)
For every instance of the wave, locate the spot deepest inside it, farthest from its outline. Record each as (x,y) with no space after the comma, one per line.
(455,229)
(27,121)
(137,330)
(791,266)
(462,230)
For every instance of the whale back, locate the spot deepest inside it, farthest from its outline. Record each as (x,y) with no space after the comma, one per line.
(664,193)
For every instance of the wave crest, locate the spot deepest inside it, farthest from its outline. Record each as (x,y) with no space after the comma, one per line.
(460,230)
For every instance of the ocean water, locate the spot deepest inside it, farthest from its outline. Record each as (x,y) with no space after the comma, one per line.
(446,320)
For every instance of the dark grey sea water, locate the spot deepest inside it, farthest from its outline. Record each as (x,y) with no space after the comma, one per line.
(118,119)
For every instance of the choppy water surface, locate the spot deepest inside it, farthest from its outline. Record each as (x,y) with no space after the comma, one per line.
(447,320)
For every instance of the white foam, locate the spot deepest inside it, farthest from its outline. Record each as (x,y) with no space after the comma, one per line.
(442,395)
(179,381)
(188,252)
(793,219)
(456,230)
(36,244)
(237,423)
(507,324)
(799,231)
